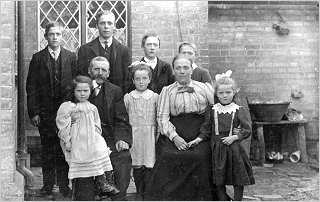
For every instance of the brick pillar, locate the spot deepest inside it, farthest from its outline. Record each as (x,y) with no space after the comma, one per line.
(11,182)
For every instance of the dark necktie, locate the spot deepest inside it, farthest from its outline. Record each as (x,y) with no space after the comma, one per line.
(106,46)
(185,89)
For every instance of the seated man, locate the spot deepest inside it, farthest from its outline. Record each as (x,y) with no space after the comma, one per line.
(116,130)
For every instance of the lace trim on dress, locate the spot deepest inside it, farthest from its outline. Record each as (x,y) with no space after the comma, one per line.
(232,107)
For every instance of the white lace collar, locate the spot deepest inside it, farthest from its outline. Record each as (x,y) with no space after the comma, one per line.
(145,95)
(232,107)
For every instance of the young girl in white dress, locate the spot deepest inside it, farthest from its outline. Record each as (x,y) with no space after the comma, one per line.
(80,131)
(141,105)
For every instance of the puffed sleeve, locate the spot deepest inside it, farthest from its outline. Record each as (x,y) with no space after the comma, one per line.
(245,124)
(210,93)
(206,128)
(63,121)
(163,115)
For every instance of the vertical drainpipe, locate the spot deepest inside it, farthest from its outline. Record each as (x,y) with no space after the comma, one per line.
(22,139)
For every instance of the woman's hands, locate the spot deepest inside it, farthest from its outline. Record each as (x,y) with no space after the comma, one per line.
(230,139)
(180,143)
(195,142)
(68,146)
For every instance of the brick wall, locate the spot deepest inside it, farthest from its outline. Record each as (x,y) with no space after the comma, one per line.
(9,190)
(31,47)
(161,17)
(268,66)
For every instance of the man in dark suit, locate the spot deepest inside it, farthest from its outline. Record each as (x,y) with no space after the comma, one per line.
(107,46)
(199,73)
(50,72)
(116,130)
(162,72)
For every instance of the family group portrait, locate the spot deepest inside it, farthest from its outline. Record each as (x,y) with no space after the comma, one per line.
(159,100)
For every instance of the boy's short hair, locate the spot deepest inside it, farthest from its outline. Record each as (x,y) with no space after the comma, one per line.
(52,24)
(144,38)
(104,12)
(192,45)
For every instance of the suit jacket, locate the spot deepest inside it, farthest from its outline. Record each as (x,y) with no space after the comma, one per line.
(114,117)
(120,61)
(164,77)
(202,75)
(40,83)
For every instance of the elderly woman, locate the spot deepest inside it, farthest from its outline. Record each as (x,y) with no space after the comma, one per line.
(182,172)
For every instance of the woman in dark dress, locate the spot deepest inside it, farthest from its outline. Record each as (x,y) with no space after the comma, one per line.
(182,172)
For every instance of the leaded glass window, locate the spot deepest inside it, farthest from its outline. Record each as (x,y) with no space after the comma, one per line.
(78,18)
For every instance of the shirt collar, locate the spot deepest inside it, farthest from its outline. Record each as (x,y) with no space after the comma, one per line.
(103,41)
(51,51)
(194,65)
(95,85)
(153,65)
(190,84)
(147,94)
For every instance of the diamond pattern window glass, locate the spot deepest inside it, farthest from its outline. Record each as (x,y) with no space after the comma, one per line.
(119,9)
(78,21)
(65,12)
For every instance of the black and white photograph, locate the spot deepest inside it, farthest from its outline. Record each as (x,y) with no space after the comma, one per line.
(159,100)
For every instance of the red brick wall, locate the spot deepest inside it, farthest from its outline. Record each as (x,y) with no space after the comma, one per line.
(268,66)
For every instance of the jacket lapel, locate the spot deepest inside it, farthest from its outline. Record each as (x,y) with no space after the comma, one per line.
(46,59)
(66,76)
(108,92)
(95,46)
(159,67)
(115,49)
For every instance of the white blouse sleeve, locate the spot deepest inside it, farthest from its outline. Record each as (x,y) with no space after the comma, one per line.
(163,115)
(63,121)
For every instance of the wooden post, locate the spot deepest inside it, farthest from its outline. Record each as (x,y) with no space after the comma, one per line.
(301,143)
(262,151)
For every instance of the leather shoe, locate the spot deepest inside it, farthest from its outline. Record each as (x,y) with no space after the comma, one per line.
(46,190)
(65,191)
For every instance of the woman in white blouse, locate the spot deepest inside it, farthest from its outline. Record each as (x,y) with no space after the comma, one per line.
(182,172)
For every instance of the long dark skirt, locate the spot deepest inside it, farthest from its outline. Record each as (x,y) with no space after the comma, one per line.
(231,165)
(182,175)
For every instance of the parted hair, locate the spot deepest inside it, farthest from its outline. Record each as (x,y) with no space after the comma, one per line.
(71,88)
(141,67)
(180,56)
(146,36)
(52,24)
(104,12)
(225,80)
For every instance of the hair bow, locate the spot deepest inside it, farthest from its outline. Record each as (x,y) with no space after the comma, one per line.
(227,74)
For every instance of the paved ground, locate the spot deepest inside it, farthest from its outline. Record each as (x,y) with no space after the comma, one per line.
(285,181)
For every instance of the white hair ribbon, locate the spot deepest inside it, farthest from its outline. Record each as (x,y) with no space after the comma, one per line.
(227,74)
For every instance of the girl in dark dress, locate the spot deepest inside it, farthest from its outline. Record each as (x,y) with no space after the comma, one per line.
(226,124)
